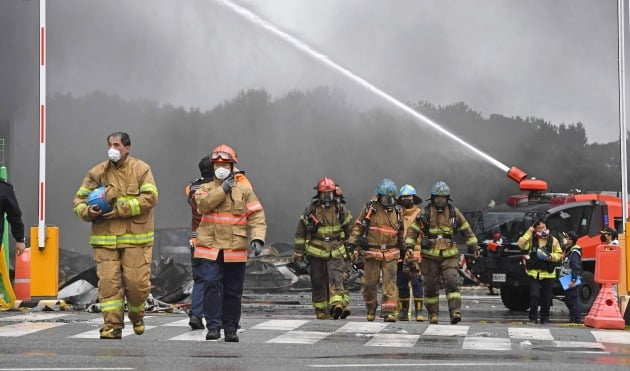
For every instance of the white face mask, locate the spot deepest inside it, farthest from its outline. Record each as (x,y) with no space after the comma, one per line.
(222,173)
(113,154)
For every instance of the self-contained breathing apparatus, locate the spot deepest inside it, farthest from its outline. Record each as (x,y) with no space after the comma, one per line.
(425,224)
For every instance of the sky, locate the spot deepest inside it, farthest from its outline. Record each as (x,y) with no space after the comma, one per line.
(556,60)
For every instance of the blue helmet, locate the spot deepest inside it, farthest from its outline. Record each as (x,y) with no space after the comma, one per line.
(386,187)
(440,189)
(98,197)
(407,190)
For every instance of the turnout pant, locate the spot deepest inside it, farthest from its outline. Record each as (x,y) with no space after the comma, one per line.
(445,268)
(327,282)
(223,292)
(540,294)
(122,273)
(369,281)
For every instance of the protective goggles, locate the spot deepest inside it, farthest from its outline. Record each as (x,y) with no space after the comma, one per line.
(221,155)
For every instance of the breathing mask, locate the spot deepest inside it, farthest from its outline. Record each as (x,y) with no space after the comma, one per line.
(439,203)
(113,154)
(406,203)
(222,173)
(387,201)
(326,197)
(543,233)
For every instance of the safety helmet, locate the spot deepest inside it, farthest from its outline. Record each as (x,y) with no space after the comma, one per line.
(223,153)
(386,187)
(440,188)
(407,190)
(326,184)
(98,197)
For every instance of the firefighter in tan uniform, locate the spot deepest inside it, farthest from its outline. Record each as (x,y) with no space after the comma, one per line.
(319,238)
(231,213)
(122,237)
(440,255)
(379,232)
(409,266)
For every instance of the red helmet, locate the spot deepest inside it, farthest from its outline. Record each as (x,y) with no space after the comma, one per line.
(326,184)
(223,153)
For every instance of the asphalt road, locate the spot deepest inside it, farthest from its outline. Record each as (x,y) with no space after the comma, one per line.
(279,332)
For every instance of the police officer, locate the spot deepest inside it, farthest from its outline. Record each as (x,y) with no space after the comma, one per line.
(544,254)
(572,265)
(435,228)
(379,233)
(320,237)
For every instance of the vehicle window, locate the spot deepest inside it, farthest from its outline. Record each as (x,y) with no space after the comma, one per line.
(577,219)
(509,224)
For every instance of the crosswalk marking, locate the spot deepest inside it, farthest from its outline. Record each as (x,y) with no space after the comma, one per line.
(393,340)
(578,344)
(530,333)
(198,335)
(25,328)
(486,343)
(279,324)
(179,323)
(363,327)
(618,337)
(299,337)
(446,330)
(36,316)
(95,334)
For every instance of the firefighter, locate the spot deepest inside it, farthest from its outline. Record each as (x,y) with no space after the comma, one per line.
(320,238)
(206,169)
(122,238)
(544,254)
(379,233)
(230,212)
(572,265)
(409,266)
(440,256)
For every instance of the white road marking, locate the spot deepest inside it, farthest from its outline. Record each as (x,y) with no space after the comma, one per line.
(446,330)
(486,343)
(25,328)
(280,324)
(36,316)
(95,334)
(393,340)
(530,333)
(363,327)
(617,337)
(299,337)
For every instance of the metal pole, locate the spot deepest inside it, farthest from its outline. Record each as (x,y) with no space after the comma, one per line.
(41,232)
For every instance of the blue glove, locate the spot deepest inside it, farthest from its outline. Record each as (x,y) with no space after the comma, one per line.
(256,246)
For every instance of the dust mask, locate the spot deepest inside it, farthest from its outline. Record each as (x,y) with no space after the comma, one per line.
(222,173)
(113,154)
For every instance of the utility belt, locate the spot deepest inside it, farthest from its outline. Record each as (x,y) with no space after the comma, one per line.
(441,242)
(382,247)
(339,252)
(326,239)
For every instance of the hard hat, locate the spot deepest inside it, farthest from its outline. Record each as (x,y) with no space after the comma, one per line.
(98,197)
(440,189)
(407,190)
(326,184)
(223,153)
(386,187)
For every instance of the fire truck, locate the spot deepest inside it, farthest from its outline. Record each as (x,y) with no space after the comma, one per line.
(502,262)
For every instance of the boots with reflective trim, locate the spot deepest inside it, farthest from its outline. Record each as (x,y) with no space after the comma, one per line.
(390,317)
(418,303)
(403,309)
(433,319)
(456,316)
(112,333)
(371,314)
(138,327)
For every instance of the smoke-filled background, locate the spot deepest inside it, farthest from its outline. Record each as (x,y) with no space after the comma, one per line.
(532,84)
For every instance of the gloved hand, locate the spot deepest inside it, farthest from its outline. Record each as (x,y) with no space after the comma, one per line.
(358,261)
(363,243)
(297,256)
(228,183)
(310,229)
(256,246)
(350,248)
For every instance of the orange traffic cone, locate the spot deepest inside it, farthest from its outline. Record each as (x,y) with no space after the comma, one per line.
(605,312)
(22,282)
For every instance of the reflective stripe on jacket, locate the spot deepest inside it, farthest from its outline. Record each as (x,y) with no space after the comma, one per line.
(328,237)
(228,219)
(131,188)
